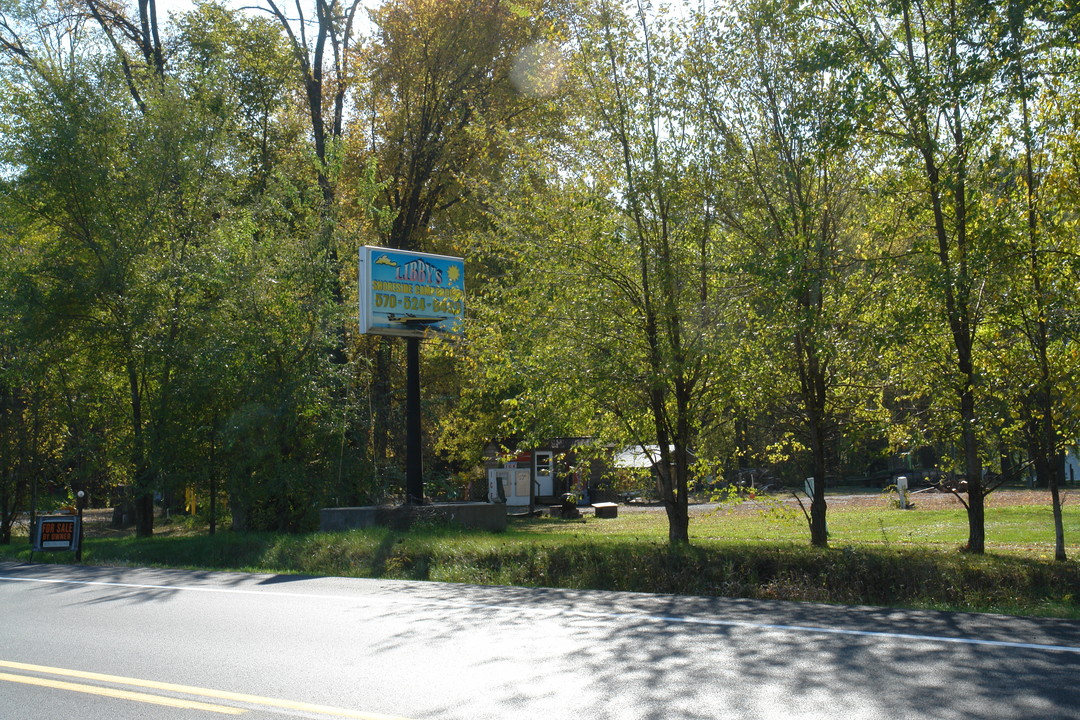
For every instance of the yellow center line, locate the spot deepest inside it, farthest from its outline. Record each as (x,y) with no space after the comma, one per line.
(122,694)
(197,691)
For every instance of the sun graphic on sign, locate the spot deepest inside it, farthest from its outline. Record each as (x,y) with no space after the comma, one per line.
(453,273)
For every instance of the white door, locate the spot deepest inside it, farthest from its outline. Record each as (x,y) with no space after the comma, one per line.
(545,479)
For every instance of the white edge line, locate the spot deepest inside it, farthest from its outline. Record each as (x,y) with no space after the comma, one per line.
(674,619)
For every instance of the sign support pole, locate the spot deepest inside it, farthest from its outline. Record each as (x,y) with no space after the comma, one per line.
(410,294)
(80,502)
(414,459)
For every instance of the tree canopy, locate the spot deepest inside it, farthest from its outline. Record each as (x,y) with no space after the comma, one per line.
(820,240)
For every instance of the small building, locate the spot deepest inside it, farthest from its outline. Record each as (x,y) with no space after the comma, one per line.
(541,475)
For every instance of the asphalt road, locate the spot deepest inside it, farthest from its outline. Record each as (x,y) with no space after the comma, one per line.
(109,643)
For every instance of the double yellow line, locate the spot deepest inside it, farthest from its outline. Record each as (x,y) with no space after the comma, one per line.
(250,700)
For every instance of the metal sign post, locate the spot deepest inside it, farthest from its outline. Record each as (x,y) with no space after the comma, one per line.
(414,456)
(80,503)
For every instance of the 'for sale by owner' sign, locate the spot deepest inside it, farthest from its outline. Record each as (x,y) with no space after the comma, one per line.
(56,532)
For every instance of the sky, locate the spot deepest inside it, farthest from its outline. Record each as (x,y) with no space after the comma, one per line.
(166,7)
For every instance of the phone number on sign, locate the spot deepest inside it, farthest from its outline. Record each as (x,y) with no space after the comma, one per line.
(409,302)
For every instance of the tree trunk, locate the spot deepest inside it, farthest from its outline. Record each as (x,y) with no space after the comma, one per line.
(678,523)
(673,480)
(962,328)
(671,477)
(1042,449)
(819,534)
(213,475)
(143,490)
(976,509)
(1044,434)
(1046,470)
(1059,526)
(144,514)
(679,520)
(9,508)
(813,382)
(1053,469)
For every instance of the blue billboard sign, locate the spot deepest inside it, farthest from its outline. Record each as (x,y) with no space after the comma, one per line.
(410,293)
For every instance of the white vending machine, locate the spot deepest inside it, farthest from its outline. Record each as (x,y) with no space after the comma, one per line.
(510,485)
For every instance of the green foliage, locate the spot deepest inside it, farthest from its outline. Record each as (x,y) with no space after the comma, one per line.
(802,236)
(168,247)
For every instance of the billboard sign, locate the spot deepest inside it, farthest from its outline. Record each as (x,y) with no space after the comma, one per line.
(410,293)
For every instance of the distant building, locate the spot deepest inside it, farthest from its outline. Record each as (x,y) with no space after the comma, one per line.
(541,475)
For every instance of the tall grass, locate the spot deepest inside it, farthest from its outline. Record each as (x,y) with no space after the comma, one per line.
(877,558)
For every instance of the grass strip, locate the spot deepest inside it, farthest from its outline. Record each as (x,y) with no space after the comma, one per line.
(598,555)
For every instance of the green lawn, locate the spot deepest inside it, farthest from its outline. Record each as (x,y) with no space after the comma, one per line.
(1009,529)
(1027,529)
